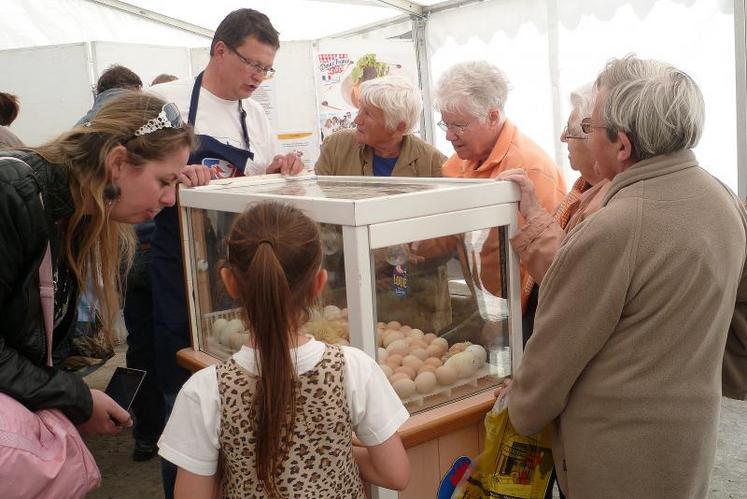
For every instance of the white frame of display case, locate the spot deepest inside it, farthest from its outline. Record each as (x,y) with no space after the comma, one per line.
(374,223)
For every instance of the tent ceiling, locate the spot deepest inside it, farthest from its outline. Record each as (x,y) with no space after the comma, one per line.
(294,19)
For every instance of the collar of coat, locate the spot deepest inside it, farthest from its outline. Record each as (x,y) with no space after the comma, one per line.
(409,152)
(657,166)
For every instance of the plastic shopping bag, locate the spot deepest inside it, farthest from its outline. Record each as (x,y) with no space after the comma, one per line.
(511,465)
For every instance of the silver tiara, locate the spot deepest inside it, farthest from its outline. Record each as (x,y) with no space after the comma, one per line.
(154,124)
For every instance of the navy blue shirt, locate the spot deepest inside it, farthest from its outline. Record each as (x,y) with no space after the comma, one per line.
(382,167)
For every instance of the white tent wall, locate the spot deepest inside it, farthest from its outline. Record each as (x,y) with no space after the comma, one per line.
(548,48)
(148,61)
(55,84)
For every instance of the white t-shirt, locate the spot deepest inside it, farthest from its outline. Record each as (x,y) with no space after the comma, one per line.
(190,439)
(220,119)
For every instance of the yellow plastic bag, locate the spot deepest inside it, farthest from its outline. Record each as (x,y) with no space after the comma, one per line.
(511,465)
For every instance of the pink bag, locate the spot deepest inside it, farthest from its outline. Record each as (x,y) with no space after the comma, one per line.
(41,453)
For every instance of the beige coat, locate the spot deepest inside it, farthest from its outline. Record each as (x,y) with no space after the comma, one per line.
(632,322)
(342,155)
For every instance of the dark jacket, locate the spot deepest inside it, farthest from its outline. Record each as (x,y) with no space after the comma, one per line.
(25,228)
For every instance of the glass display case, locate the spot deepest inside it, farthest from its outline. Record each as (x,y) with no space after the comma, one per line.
(421,275)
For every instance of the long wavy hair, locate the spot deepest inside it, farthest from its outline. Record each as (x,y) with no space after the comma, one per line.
(95,245)
(274,253)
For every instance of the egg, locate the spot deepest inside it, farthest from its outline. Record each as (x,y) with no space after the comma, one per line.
(386,369)
(236,339)
(413,362)
(344,312)
(394,325)
(218,327)
(425,382)
(434,350)
(405,329)
(479,352)
(407,370)
(433,361)
(464,363)
(331,312)
(380,325)
(381,354)
(428,338)
(397,376)
(441,343)
(420,353)
(398,347)
(404,387)
(427,367)
(225,335)
(391,337)
(446,375)
(394,359)
(419,344)
(416,333)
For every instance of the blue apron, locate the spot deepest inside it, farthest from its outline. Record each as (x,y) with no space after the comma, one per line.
(170,316)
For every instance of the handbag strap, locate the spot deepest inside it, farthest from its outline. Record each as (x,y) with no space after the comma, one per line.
(46,291)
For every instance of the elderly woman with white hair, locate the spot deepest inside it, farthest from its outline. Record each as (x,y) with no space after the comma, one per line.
(539,240)
(471,97)
(642,319)
(381,144)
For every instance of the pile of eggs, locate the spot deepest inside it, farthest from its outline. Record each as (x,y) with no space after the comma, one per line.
(230,333)
(416,362)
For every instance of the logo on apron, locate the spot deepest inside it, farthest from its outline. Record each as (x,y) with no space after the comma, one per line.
(221,168)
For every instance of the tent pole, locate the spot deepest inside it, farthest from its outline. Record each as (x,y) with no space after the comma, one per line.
(740,46)
(419,25)
(412,8)
(156,17)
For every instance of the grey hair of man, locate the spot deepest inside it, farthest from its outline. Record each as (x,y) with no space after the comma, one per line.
(397,97)
(659,107)
(473,88)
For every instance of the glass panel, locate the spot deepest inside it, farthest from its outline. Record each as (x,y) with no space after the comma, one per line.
(329,321)
(331,189)
(443,316)
(220,328)
(221,331)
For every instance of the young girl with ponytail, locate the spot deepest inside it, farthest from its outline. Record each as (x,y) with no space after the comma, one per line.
(276,419)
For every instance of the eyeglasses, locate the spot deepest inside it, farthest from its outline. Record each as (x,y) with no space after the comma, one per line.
(457,129)
(169,117)
(587,125)
(255,67)
(565,135)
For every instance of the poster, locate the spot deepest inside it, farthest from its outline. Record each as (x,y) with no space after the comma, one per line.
(341,72)
(304,144)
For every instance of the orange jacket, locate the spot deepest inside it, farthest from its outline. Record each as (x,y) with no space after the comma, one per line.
(512,150)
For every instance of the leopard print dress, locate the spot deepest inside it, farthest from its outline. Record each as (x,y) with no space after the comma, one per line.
(320,461)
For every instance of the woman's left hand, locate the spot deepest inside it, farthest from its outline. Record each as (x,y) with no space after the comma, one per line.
(194,175)
(503,388)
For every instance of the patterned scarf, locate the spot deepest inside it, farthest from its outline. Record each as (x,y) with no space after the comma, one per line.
(562,215)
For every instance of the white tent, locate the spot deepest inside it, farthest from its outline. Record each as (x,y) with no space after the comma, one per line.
(546,47)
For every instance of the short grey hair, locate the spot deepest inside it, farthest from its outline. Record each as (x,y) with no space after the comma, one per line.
(582,100)
(658,106)
(473,88)
(397,97)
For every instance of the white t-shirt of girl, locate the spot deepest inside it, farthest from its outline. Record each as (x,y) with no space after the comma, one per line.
(220,119)
(190,439)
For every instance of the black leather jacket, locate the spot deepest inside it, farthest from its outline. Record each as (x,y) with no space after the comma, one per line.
(25,228)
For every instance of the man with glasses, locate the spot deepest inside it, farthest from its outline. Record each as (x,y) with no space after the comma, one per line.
(471,98)
(235,139)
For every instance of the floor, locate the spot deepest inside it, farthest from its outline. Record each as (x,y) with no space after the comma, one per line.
(125,479)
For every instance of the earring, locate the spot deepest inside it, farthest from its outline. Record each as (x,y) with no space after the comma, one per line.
(112,193)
